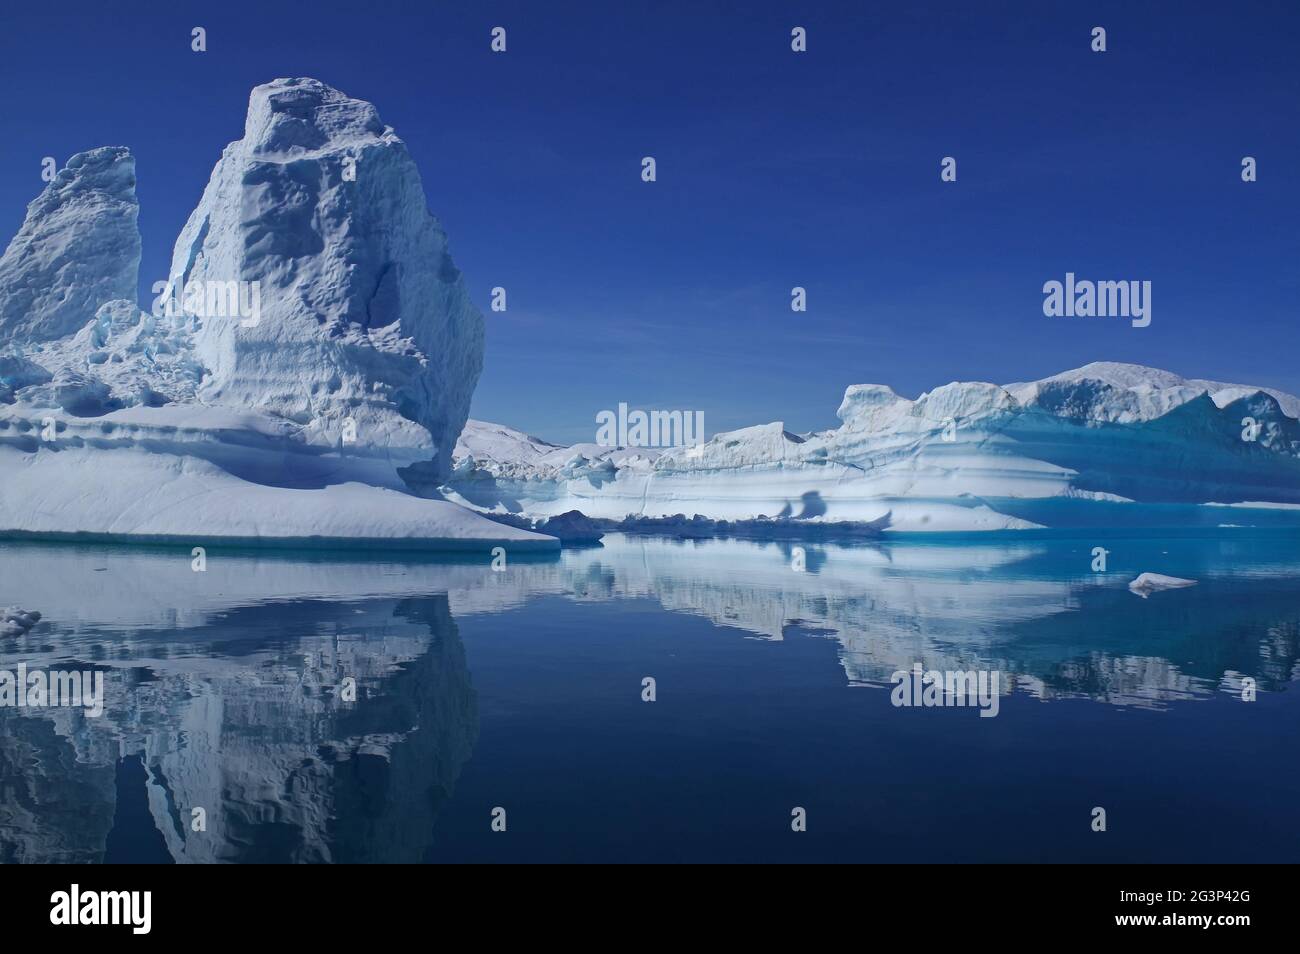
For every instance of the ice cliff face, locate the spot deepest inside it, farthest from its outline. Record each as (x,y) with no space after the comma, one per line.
(362,314)
(78,247)
(1105,443)
(310,284)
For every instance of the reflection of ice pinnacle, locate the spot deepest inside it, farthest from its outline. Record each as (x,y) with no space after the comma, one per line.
(340,782)
(79,246)
(283,768)
(386,800)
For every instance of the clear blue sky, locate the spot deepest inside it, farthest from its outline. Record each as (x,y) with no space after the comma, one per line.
(775,169)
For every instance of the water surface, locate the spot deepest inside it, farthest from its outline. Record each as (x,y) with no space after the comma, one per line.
(522,690)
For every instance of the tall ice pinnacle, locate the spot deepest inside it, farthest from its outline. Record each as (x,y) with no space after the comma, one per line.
(351,318)
(78,247)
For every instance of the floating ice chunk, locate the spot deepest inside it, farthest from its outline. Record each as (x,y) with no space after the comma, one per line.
(1148,583)
(16,622)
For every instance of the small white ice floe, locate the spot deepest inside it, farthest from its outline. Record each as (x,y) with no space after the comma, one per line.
(15,621)
(1148,583)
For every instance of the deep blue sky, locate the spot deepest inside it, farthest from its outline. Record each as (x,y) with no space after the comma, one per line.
(775,169)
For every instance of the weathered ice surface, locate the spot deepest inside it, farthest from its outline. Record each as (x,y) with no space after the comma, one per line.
(1104,445)
(362,313)
(301,379)
(78,247)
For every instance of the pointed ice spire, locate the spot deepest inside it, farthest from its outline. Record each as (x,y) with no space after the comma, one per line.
(78,247)
(353,321)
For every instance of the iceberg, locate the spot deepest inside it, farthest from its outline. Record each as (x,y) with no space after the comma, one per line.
(304,377)
(1105,445)
(301,378)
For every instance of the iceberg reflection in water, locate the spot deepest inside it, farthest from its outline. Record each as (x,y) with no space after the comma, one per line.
(522,689)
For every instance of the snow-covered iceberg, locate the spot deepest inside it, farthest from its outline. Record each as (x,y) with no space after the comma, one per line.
(1104,445)
(301,377)
(306,371)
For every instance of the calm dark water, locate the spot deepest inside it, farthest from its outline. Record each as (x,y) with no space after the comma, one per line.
(522,690)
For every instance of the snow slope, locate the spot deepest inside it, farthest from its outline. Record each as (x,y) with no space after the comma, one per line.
(314,398)
(1105,444)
